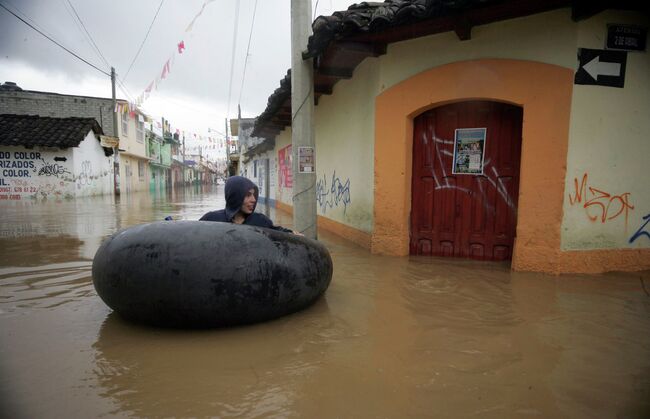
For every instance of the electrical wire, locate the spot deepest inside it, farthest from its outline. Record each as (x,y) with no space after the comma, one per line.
(144,40)
(57,43)
(88,34)
(76,23)
(315,8)
(232,58)
(243,77)
(28,18)
(122,86)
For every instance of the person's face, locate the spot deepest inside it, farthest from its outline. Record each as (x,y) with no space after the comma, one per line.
(249,202)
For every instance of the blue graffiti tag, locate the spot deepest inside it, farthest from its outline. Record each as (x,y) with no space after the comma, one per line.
(640,231)
(338,193)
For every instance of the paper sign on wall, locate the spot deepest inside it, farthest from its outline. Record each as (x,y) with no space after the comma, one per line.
(306,159)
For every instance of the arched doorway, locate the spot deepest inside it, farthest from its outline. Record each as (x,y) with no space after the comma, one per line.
(465,180)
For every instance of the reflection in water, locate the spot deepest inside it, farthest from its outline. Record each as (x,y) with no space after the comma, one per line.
(45,286)
(393,337)
(252,371)
(37,250)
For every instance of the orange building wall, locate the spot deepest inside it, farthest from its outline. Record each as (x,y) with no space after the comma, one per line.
(544,92)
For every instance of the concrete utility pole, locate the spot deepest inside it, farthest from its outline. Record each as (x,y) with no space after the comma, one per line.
(302,127)
(116,158)
(225,124)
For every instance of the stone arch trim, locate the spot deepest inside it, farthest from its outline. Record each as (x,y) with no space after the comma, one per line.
(543,91)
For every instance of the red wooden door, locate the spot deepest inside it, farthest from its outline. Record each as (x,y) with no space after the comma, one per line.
(465,215)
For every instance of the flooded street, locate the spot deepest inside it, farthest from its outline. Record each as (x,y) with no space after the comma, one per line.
(393,337)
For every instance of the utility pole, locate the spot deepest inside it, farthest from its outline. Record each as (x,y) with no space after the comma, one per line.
(183,166)
(227,149)
(302,127)
(116,158)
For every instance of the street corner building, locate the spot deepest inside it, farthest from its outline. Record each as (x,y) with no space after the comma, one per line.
(52,158)
(492,130)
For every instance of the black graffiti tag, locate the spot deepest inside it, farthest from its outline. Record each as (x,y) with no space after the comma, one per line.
(52,169)
(337,193)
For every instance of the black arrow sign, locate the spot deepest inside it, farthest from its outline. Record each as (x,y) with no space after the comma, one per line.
(60,159)
(601,67)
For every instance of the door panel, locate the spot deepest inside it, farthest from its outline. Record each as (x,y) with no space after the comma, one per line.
(465,215)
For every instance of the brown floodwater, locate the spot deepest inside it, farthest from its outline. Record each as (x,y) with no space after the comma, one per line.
(393,337)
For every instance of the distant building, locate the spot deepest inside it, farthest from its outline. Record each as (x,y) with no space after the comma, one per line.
(132,158)
(160,158)
(257,160)
(15,100)
(133,161)
(52,158)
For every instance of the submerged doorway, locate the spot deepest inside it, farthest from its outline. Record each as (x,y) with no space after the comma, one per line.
(465,182)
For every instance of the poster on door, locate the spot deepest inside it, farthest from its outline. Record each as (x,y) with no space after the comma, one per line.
(469,151)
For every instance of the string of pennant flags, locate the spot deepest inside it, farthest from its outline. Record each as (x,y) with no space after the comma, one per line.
(133,108)
(169,63)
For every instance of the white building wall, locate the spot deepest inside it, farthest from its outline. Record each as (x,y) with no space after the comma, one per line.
(247,169)
(93,171)
(133,161)
(51,173)
(344,130)
(35,174)
(606,190)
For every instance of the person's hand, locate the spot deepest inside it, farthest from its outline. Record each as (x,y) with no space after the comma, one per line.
(297,233)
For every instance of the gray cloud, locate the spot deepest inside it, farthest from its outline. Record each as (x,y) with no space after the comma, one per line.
(118,27)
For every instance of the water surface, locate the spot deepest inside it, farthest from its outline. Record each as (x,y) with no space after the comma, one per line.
(393,337)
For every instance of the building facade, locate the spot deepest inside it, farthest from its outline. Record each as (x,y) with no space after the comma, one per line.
(258,161)
(160,158)
(474,132)
(132,156)
(52,158)
(15,100)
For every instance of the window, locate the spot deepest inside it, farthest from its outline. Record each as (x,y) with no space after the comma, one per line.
(141,170)
(139,129)
(125,124)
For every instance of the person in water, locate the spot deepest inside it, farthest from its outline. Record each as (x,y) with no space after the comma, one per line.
(241,200)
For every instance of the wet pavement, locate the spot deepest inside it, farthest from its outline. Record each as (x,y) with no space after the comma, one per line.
(393,337)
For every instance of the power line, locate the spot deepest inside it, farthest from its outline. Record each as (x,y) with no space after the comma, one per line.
(313,15)
(243,77)
(66,49)
(124,89)
(28,18)
(144,40)
(232,58)
(88,33)
(78,26)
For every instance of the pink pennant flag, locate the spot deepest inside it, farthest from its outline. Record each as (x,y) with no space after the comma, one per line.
(165,70)
(181,47)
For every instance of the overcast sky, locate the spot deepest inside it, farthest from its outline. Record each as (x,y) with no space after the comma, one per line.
(194,96)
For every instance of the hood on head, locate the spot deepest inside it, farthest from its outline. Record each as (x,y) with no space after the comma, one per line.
(236,189)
